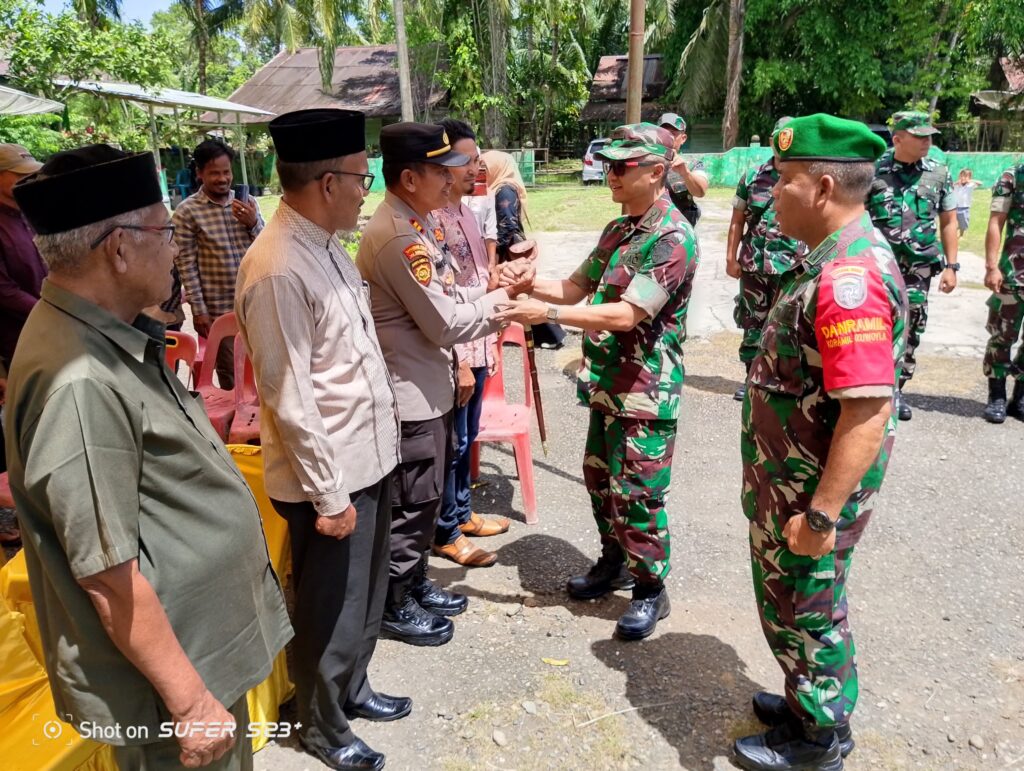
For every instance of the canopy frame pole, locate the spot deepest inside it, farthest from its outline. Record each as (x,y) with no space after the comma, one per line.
(241,148)
(154,136)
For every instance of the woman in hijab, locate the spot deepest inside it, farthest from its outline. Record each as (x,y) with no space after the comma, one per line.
(505,183)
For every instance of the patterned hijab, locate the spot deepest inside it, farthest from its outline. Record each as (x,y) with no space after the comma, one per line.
(502,170)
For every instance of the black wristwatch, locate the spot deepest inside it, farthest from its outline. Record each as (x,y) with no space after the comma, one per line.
(953,266)
(819,521)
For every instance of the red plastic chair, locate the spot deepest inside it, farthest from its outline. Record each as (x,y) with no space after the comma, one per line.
(245,425)
(219,403)
(504,422)
(180,346)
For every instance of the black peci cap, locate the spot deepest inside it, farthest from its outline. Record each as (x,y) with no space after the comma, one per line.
(419,143)
(304,136)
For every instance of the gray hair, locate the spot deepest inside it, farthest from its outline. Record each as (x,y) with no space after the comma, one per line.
(853,180)
(295,176)
(65,252)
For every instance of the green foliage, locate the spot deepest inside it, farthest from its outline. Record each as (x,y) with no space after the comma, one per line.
(41,134)
(462,78)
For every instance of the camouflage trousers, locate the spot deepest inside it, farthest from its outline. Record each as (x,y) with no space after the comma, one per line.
(918,281)
(627,467)
(1005,318)
(802,605)
(757,293)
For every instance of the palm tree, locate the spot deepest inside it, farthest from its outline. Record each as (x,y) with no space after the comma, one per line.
(96,13)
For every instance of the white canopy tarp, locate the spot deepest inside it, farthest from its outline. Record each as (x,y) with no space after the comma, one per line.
(14,102)
(162,100)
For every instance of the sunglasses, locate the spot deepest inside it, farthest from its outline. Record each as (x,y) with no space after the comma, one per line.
(168,229)
(366,184)
(618,168)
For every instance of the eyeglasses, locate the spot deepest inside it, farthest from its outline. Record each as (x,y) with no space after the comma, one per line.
(169,229)
(367,182)
(619,167)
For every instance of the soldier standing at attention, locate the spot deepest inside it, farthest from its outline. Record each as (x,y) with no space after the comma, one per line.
(685,181)
(1004,275)
(764,254)
(819,406)
(910,190)
(640,275)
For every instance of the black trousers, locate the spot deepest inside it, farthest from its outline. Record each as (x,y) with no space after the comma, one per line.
(340,588)
(416,496)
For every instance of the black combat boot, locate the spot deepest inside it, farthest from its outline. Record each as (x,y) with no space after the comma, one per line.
(1015,409)
(995,410)
(608,574)
(772,710)
(903,410)
(404,620)
(432,597)
(649,605)
(790,747)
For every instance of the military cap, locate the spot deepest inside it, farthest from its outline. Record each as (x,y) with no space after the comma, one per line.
(305,136)
(824,137)
(636,140)
(672,121)
(917,123)
(418,143)
(17,159)
(78,187)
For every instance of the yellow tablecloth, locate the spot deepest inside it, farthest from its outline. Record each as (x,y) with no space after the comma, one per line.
(32,738)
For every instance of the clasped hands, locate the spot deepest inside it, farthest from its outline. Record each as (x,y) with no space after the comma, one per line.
(517,278)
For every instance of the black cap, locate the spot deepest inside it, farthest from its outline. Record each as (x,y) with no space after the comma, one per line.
(317,135)
(78,187)
(419,143)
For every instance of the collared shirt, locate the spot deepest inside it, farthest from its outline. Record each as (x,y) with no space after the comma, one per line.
(466,246)
(211,244)
(649,262)
(112,460)
(328,421)
(1008,198)
(763,249)
(904,202)
(21,277)
(837,330)
(419,310)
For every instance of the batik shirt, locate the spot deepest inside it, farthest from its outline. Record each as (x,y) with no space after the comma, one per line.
(1008,197)
(763,248)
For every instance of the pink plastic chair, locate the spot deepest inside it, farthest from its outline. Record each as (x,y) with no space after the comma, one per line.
(504,422)
(181,347)
(245,425)
(219,403)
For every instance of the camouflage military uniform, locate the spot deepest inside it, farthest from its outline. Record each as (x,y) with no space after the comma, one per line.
(632,381)
(837,330)
(675,188)
(764,255)
(904,203)
(1006,308)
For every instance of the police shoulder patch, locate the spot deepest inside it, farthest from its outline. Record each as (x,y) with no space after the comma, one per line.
(415,251)
(422,270)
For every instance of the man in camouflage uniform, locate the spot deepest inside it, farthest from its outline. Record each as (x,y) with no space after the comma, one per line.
(686,181)
(1004,275)
(757,254)
(818,430)
(640,277)
(910,190)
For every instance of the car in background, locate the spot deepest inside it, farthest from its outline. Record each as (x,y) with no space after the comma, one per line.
(593,168)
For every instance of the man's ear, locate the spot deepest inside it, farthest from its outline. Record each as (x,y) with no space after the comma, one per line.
(826,188)
(111,249)
(408,180)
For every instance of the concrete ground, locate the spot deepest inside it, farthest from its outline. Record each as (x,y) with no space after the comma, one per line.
(533,680)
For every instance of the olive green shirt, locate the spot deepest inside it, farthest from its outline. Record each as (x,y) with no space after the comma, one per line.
(112,459)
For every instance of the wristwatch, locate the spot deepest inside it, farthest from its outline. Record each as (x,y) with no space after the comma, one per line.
(553,312)
(819,521)
(953,266)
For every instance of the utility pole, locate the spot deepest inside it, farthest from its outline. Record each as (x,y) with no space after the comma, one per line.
(404,76)
(635,86)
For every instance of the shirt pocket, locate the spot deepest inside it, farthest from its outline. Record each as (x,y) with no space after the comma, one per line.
(782,369)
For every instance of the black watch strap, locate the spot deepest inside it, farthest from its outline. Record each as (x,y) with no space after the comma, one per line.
(954,266)
(819,521)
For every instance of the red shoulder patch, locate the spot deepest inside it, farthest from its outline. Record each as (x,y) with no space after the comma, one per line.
(415,251)
(422,270)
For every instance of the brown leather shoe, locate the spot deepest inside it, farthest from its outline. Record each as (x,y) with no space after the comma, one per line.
(466,554)
(482,527)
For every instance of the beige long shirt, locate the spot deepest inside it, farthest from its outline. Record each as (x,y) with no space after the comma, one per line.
(328,422)
(419,310)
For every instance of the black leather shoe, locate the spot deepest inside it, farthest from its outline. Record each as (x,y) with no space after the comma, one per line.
(903,410)
(352,757)
(995,410)
(772,710)
(608,574)
(409,623)
(380,708)
(649,605)
(741,393)
(436,600)
(788,748)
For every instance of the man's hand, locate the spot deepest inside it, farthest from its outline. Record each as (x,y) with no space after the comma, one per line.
(994,279)
(245,213)
(338,525)
(202,323)
(203,742)
(467,382)
(948,281)
(802,540)
(516,273)
(524,311)
(492,358)
(732,267)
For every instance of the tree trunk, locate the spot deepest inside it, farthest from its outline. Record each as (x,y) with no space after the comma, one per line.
(942,75)
(494,120)
(545,135)
(934,47)
(635,69)
(733,75)
(404,80)
(202,44)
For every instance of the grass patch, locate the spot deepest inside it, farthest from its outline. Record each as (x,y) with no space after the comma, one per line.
(974,239)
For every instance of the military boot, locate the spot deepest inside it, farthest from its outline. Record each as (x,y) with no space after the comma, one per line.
(995,410)
(649,605)
(903,410)
(1015,409)
(404,620)
(741,392)
(790,746)
(432,597)
(608,574)
(772,710)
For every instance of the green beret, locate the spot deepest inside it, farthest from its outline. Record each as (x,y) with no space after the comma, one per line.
(635,140)
(917,123)
(824,137)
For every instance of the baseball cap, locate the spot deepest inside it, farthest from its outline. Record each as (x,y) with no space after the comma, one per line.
(17,159)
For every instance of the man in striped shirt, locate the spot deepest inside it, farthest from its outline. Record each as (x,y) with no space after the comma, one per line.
(214,230)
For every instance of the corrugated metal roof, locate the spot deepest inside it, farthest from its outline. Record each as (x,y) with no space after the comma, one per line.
(14,102)
(610,81)
(365,78)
